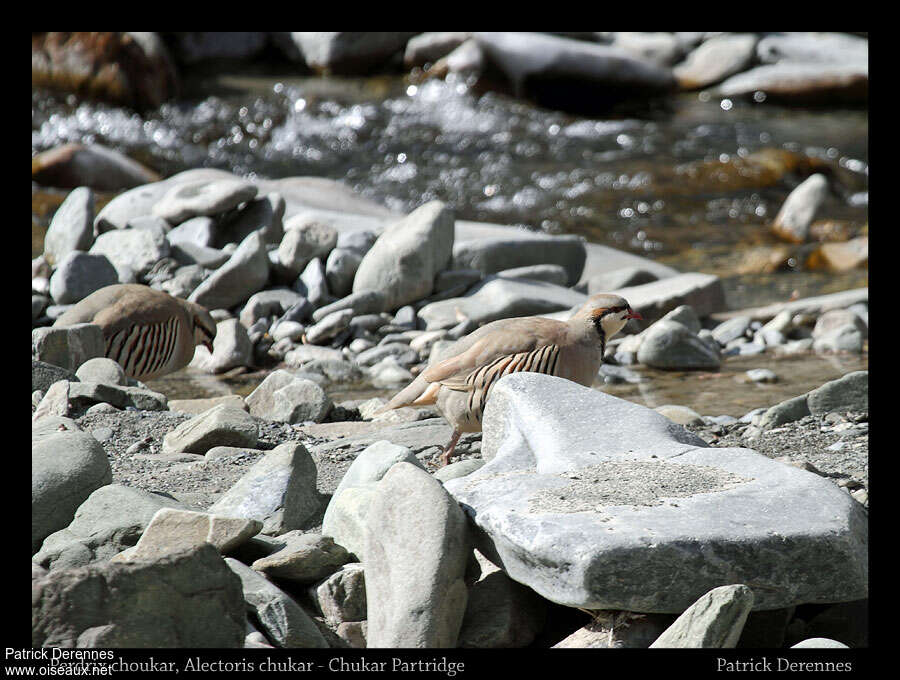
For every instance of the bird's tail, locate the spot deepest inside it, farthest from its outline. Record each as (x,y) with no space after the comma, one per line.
(419,393)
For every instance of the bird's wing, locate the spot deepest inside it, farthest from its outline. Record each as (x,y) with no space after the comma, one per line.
(499,339)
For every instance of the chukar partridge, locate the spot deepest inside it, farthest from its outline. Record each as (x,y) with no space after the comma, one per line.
(460,384)
(148,332)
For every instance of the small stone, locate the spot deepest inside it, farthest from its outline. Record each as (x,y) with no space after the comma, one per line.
(221,425)
(715,620)
(305,558)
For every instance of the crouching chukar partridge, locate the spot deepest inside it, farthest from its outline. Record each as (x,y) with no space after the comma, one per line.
(148,332)
(461,384)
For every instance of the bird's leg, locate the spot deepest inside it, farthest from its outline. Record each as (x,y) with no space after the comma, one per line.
(448,450)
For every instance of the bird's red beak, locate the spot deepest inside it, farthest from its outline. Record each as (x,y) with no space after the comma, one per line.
(209,345)
(633,315)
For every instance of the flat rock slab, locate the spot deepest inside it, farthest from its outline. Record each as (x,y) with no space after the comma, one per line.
(813,305)
(599,503)
(653,300)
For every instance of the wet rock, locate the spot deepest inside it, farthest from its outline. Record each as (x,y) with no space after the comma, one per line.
(245,273)
(67,347)
(72,226)
(193,47)
(404,260)
(342,52)
(529,59)
(840,257)
(671,345)
(125,67)
(496,298)
(91,165)
(279,490)
(186,598)
(714,499)
(203,197)
(231,348)
(222,425)
(111,519)
(802,82)
(285,398)
(416,546)
(716,59)
(135,249)
(761,375)
(429,47)
(305,558)
(813,48)
(66,468)
(305,238)
(714,621)
(800,208)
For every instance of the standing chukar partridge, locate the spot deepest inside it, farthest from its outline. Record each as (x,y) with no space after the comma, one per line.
(148,332)
(461,384)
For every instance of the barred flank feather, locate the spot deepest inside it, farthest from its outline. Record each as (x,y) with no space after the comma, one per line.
(144,350)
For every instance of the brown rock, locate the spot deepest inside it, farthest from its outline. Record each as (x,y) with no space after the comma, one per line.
(841,257)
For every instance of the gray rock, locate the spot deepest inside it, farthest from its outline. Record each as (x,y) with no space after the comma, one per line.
(340,270)
(72,226)
(703,292)
(787,411)
(550,273)
(291,330)
(671,345)
(533,57)
(616,630)
(43,375)
(279,490)
(416,547)
(67,347)
(341,520)
(819,643)
(763,375)
(429,47)
(265,303)
(360,242)
(495,298)
(687,317)
(360,303)
(404,260)
(303,354)
(491,255)
(401,352)
(345,52)
(202,197)
(184,281)
(222,425)
(188,598)
(128,205)
(65,398)
(716,59)
(342,596)
(800,208)
(337,371)
(284,621)
(305,238)
(732,329)
(101,370)
(313,285)
(198,231)
(450,279)
(619,278)
(175,530)
(329,327)
(460,468)
(263,214)
(193,47)
(135,249)
(231,348)
(571,515)
(38,305)
(814,306)
(305,558)
(660,48)
(801,81)
(283,397)
(501,614)
(191,254)
(813,47)
(846,338)
(111,519)
(66,468)
(714,621)
(389,373)
(680,414)
(245,273)
(849,393)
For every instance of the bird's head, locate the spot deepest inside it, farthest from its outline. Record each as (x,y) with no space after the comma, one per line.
(204,325)
(608,313)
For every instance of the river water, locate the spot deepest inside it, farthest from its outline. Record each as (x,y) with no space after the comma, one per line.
(688,181)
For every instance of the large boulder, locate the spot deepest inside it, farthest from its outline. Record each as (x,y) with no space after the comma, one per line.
(183,599)
(416,547)
(579,484)
(407,256)
(492,255)
(72,226)
(66,468)
(67,347)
